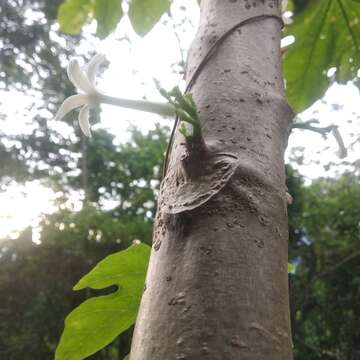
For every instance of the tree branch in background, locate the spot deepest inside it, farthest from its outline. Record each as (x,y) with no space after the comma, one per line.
(303,301)
(177,36)
(307,125)
(335,267)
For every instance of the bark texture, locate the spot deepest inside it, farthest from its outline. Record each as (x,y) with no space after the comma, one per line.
(217,283)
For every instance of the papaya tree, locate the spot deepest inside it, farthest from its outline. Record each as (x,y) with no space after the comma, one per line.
(217,282)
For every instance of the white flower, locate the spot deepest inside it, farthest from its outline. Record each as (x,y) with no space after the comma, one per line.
(286,15)
(84,81)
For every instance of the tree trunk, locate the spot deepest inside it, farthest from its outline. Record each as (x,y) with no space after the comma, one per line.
(217,283)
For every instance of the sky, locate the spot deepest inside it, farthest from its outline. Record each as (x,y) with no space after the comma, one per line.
(133,64)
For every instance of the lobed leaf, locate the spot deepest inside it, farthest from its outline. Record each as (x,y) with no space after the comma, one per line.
(73,14)
(327,35)
(144,14)
(97,321)
(107,14)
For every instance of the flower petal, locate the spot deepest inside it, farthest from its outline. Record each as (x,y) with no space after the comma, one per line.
(92,66)
(84,120)
(287,20)
(79,78)
(70,104)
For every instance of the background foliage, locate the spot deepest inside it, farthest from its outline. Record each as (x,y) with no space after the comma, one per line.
(36,280)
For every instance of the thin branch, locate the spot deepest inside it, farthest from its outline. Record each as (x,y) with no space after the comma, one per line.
(301,301)
(335,267)
(342,153)
(307,126)
(177,38)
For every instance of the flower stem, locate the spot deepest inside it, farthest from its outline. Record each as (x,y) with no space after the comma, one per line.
(141,105)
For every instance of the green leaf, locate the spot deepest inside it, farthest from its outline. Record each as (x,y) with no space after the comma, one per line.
(107,14)
(327,35)
(73,14)
(291,268)
(144,14)
(97,321)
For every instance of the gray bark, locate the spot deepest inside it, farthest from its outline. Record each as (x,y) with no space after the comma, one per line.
(217,283)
